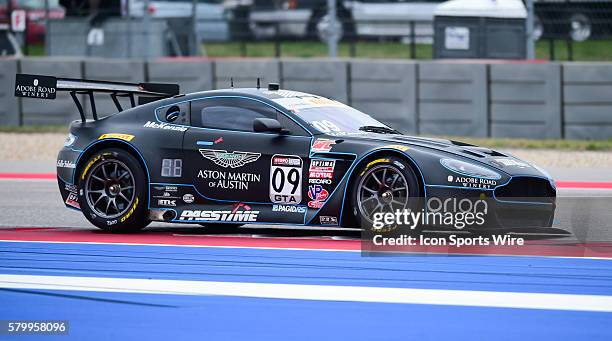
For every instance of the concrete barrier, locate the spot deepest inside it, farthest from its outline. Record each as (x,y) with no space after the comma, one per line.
(587,101)
(386,91)
(191,75)
(9,106)
(245,72)
(569,100)
(117,70)
(525,100)
(60,110)
(452,99)
(320,77)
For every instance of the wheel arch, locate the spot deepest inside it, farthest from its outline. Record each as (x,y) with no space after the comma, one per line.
(347,217)
(105,144)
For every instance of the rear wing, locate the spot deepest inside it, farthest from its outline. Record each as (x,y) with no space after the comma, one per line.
(46,87)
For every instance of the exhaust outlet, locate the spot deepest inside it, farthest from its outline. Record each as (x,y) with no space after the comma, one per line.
(169,215)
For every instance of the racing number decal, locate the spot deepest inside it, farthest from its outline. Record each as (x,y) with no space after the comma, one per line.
(286,179)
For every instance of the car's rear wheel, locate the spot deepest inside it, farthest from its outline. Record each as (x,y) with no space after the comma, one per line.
(113,191)
(385,184)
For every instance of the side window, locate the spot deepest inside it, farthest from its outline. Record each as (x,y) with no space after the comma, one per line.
(177,114)
(229,113)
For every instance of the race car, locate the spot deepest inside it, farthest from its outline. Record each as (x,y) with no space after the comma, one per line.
(266,156)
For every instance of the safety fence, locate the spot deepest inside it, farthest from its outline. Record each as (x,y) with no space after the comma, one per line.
(517,100)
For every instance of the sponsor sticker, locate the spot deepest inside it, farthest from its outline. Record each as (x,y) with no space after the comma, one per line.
(320,181)
(125,137)
(188,198)
(288,208)
(286,179)
(318,195)
(470,182)
(32,86)
(328,220)
(220,215)
(322,145)
(164,126)
(321,169)
(65,164)
(167,202)
(72,200)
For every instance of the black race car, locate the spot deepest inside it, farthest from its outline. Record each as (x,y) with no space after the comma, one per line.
(271,156)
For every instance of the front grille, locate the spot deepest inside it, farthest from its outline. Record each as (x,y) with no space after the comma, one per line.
(527,189)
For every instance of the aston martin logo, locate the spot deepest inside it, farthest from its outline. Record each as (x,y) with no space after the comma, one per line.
(232,160)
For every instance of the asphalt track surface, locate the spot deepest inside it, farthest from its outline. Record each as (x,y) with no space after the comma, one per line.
(266,283)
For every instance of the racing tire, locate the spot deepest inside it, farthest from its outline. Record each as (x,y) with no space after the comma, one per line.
(384,184)
(113,191)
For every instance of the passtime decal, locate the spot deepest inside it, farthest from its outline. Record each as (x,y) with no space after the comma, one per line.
(286,179)
(226,159)
(321,169)
(240,213)
(322,145)
(317,195)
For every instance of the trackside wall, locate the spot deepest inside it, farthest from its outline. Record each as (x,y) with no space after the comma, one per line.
(518,100)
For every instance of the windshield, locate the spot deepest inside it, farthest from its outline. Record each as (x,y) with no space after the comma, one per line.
(329,117)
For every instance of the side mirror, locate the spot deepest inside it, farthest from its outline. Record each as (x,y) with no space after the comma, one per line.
(267,125)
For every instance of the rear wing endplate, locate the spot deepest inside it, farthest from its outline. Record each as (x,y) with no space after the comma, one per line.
(46,87)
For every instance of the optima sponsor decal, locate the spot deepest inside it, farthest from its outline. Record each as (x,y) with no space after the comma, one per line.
(164,126)
(321,169)
(229,216)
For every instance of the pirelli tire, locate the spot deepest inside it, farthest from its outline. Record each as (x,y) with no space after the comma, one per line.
(383,184)
(113,191)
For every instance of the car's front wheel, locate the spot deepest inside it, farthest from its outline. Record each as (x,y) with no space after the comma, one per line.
(384,185)
(113,191)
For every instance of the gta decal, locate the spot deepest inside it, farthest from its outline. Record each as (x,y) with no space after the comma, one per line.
(286,179)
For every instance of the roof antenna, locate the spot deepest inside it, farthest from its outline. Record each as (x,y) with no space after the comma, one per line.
(258,83)
(232,82)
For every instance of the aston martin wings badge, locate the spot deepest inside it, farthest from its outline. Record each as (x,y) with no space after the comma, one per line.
(227,159)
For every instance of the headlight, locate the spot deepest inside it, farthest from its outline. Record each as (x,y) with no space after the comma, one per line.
(468,169)
(69,140)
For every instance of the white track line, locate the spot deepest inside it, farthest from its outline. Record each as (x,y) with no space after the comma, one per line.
(594,303)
